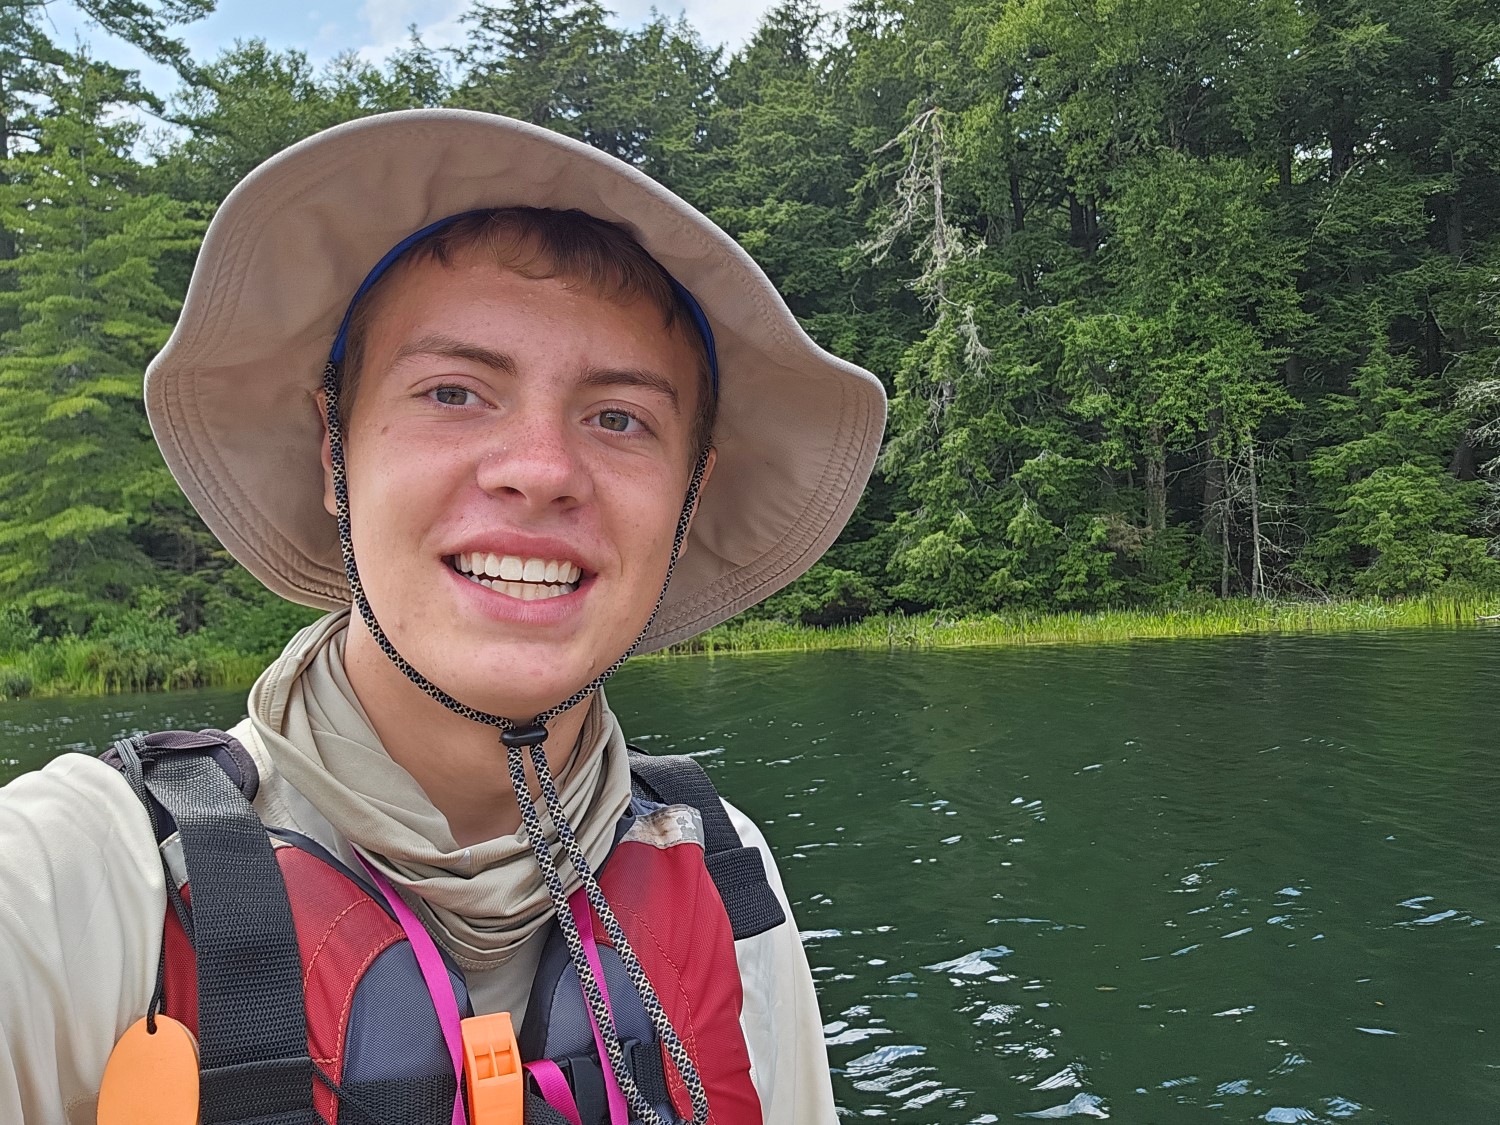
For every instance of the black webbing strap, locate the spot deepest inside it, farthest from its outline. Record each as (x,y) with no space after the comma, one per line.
(645,1063)
(536,1111)
(738,872)
(252,1028)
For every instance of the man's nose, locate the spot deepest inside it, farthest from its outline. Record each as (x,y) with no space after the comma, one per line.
(533,458)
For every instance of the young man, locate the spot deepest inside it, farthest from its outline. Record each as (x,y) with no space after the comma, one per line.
(511,412)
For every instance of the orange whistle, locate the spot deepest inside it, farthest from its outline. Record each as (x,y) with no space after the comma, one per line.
(151,1078)
(492,1070)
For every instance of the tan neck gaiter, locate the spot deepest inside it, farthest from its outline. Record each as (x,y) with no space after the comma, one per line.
(482,901)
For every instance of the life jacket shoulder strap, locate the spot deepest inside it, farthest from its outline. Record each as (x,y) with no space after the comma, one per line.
(337,970)
(252,1032)
(738,872)
(133,756)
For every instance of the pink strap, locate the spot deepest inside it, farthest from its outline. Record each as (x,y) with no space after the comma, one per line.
(435,974)
(578,903)
(555,1089)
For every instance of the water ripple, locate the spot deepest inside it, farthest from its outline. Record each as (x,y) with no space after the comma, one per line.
(1083,1105)
(973,964)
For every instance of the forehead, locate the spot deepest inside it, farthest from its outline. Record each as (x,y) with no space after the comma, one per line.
(485,298)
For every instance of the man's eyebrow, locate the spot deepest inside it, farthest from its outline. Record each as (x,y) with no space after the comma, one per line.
(440,345)
(633,377)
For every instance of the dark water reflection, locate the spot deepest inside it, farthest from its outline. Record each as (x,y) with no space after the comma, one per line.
(1242,880)
(1251,880)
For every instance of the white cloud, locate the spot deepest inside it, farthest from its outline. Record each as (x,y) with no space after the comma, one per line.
(718,21)
(726,22)
(329,35)
(385,22)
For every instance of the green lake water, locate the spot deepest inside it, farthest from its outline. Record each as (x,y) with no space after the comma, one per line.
(1238,880)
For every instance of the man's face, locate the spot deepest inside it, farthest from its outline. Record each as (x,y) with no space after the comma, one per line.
(518,454)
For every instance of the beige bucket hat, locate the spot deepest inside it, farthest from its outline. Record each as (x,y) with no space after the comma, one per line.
(231,398)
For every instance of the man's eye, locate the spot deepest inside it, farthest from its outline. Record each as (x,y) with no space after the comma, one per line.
(453,396)
(617,421)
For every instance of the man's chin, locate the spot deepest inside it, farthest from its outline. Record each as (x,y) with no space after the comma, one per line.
(514,672)
(521,706)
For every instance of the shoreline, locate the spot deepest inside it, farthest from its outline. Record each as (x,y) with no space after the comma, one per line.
(1232,618)
(95,667)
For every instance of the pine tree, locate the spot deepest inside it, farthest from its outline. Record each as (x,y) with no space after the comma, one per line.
(544,61)
(252,101)
(89,504)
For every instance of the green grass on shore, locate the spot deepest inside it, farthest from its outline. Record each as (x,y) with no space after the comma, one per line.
(96,666)
(1235,617)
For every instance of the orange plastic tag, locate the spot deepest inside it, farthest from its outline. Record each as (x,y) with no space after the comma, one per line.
(492,1069)
(151,1079)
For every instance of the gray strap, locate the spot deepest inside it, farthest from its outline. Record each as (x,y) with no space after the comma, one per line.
(738,872)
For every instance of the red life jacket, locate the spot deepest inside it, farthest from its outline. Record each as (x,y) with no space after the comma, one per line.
(372,1052)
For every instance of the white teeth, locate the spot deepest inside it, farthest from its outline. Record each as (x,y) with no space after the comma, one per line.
(527,579)
(524,591)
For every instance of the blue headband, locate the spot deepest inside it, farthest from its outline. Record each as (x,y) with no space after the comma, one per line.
(341,341)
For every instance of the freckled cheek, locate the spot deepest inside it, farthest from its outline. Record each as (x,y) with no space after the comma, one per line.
(399,495)
(403,466)
(644,534)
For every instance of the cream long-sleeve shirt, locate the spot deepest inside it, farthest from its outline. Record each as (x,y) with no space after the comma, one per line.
(82,899)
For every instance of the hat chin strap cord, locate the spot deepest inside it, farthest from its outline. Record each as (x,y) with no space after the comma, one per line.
(529,739)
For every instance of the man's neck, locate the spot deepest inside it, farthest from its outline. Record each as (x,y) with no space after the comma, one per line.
(460,764)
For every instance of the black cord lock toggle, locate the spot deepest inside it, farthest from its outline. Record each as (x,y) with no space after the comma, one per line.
(532,734)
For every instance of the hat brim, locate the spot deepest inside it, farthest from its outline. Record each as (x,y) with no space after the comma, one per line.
(231,398)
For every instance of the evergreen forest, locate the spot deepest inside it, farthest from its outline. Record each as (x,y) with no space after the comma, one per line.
(1175,302)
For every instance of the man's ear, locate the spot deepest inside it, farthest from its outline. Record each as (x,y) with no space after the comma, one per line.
(708,468)
(326,455)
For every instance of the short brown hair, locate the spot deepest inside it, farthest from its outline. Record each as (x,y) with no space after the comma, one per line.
(540,243)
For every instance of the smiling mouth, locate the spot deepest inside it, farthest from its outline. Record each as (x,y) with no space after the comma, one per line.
(529,580)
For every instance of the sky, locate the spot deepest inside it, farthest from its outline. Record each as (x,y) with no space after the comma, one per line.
(323,28)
